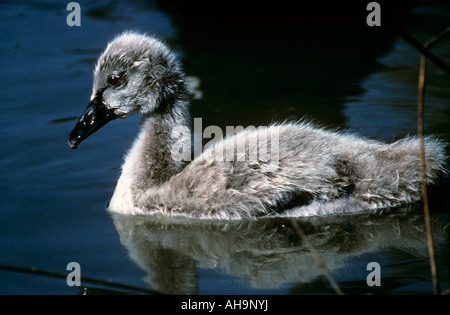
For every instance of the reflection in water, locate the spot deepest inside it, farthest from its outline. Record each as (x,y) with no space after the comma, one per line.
(264,253)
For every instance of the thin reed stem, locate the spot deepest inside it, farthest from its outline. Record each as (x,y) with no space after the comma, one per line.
(426,53)
(420,123)
(317,257)
(62,275)
(412,41)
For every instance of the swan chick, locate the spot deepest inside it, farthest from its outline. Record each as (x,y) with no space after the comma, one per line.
(317,171)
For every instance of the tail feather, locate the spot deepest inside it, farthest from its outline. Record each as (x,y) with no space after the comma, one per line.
(435,157)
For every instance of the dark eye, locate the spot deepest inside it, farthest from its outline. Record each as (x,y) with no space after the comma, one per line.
(114,80)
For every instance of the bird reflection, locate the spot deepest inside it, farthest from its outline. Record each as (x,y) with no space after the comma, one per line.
(265,252)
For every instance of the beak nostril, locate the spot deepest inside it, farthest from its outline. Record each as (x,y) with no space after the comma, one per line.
(92,119)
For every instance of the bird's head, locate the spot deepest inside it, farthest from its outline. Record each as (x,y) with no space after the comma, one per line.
(135,74)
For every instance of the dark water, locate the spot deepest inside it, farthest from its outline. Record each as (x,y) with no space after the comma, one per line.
(53,199)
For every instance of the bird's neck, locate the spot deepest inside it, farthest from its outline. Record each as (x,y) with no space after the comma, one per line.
(153,159)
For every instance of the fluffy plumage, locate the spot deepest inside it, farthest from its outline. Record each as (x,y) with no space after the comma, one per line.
(316,172)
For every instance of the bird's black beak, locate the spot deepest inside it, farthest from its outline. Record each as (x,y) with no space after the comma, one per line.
(95,116)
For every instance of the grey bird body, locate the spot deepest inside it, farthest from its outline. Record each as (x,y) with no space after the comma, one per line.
(316,172)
